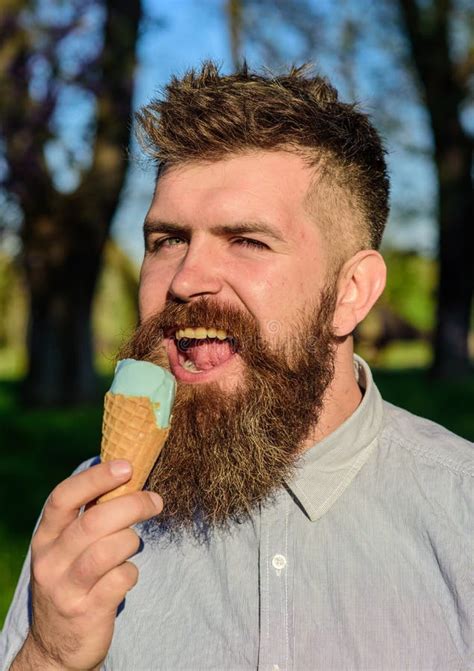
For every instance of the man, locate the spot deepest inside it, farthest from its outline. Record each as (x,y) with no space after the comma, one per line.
(304,523)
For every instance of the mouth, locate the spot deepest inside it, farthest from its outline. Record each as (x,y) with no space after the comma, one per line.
(201,354)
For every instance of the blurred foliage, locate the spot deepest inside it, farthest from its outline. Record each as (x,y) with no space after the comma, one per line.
(115,308)
(13,318)
(411,288)
(397,332)
(114,311)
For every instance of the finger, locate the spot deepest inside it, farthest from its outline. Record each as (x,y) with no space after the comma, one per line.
(65,501)
(107,519)
(110,591)
(101,557)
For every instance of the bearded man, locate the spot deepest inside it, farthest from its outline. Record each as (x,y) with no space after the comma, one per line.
(294,520)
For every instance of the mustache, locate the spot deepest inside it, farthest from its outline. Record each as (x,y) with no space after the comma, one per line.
(208,313)
(242,328)
(247,336)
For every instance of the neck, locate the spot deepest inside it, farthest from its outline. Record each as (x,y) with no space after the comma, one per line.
(342,397)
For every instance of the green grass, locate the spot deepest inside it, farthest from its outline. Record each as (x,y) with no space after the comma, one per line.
(40,448)
(448,402)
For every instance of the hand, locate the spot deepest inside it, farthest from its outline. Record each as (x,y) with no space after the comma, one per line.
(79,567)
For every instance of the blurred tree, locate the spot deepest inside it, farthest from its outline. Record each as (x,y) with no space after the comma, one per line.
(234,10)
(55,55)
(445,79)
(399,54)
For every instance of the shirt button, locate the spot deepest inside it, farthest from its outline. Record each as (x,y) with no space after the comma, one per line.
(279,562)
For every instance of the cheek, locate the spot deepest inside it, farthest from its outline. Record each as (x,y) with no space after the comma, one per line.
(152,292)
(270,299)
(284,288)
(284,298)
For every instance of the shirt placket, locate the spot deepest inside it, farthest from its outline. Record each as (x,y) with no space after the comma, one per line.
(276,568)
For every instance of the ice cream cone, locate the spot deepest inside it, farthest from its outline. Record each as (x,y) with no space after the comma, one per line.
(129,431)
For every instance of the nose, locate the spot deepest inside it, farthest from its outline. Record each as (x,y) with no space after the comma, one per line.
(197,274)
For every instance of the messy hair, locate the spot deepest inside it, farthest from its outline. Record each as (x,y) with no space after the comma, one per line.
(208,116)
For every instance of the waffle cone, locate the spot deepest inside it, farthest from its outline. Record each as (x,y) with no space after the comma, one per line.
(129,432)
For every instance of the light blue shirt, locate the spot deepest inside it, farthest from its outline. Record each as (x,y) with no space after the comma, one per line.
(362,563)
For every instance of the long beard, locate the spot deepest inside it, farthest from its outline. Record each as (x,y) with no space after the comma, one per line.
(228,452)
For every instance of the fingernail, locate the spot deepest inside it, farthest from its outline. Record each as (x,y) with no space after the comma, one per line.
(157,500)
(120,467)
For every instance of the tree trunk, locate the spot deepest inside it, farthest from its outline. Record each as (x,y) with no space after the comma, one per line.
(61,276)
(456,265)
(64,234)
(234,19)
(60,347)
(453,159)
(444,89)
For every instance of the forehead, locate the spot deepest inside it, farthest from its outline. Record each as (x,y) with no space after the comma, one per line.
(270,186)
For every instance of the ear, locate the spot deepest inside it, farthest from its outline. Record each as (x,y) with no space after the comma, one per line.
(361,281)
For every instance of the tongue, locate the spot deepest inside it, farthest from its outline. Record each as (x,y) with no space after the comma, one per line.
(209,353)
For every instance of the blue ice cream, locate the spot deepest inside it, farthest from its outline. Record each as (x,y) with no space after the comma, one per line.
(142,378)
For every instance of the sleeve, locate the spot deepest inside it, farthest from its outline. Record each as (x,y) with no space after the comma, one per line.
(17,622)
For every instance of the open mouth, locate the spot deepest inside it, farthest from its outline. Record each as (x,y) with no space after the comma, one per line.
(197,353)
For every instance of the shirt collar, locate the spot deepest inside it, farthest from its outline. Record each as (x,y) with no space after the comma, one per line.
(327,469)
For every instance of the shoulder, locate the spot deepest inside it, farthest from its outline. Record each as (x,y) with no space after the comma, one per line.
(426,442)
(424,474)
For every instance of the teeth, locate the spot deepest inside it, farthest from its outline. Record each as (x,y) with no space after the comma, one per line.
(200,333)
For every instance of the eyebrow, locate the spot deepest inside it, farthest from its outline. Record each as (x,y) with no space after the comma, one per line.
(241,228)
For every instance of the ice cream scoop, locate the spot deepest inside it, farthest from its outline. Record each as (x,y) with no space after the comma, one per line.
(136,421)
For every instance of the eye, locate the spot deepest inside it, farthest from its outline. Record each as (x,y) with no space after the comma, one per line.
(164,243)
(249,242)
